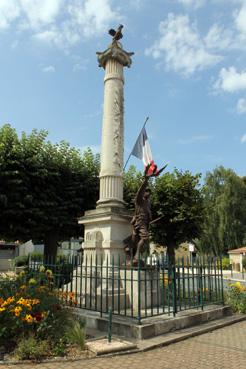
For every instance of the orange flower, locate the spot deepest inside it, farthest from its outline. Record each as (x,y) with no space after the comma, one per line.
(35,301)
(8,301)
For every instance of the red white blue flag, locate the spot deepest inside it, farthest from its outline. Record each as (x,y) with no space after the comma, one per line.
(141,148)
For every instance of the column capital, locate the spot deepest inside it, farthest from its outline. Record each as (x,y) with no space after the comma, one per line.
(116,52)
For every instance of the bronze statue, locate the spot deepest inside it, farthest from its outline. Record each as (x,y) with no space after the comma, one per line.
(138,241)
(117,35)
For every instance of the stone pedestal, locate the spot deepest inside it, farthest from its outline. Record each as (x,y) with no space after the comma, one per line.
(105,230)
(142,287)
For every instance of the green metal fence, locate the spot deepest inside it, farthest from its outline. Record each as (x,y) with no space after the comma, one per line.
(152,288)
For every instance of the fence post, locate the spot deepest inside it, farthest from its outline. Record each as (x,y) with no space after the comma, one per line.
(139,293)
(109,325)
(201,286)
(174,290)
(222,281)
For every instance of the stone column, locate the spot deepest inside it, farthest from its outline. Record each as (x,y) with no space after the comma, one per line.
(108,225)
(113,61)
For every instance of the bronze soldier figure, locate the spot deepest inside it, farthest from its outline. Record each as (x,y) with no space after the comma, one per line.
(139,239)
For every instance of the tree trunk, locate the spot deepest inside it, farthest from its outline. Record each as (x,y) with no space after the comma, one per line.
(171,253)
(50,246)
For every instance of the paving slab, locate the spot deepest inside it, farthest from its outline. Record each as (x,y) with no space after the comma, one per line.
(102,346)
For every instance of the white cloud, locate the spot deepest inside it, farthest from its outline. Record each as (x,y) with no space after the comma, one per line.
(91,15)
(59,22)
(230,80)
(219,38)
(40,12)
(85,19)
(240,18)
(241,106)
(49,69)
(193,3)
(9,11)
(181,47)
(243,139)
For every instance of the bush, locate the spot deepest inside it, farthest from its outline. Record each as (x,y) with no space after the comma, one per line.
(236,297)
(75,333)
(21,261)
(30,348)
(30,304)
(36,256)
(226,265)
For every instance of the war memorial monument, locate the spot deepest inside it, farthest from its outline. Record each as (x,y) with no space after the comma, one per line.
(112,275)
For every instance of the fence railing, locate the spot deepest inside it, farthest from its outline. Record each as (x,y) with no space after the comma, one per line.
(152,288)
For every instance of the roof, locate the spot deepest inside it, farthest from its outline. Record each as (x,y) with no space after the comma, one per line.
(241,250)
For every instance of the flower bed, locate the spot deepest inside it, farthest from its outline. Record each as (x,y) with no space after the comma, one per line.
(236,297)
(34,322)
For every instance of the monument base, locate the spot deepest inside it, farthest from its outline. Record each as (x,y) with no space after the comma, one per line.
(105,229)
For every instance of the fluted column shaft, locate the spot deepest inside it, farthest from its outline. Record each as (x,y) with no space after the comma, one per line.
(113,61)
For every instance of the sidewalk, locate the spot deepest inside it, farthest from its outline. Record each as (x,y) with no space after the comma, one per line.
(223,348)
(235,277)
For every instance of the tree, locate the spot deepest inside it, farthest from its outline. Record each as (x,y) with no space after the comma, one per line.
(178,199)
(44,187)
(132,181)
(225,204)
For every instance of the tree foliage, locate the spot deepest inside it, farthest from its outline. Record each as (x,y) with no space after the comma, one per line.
(44,187)
(177,197)
(225,204)
(132,182)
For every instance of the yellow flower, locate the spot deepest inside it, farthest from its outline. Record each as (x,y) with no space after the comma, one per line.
(2,309)
(28,318)
(32,281)
(238,285)
(17,310)
(49,273)
(8,301)
(21,301)
(23,287)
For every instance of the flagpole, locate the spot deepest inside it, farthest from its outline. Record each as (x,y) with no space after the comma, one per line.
(146,120)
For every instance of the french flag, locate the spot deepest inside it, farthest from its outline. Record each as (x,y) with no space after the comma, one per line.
(141,148)
(142,151)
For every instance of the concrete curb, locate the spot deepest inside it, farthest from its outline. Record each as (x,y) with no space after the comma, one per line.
(179,336)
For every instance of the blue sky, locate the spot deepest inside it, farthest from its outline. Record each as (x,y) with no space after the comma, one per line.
(188,75)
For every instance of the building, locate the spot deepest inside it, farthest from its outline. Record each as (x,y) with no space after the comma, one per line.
(8,251)
(236,258)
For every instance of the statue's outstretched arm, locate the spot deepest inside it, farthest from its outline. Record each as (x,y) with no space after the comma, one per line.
(141,190)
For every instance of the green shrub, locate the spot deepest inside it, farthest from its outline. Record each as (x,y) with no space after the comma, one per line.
(236,297)
(75,333)
(226,265)
(36,256)
(21,261)
(30,348)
